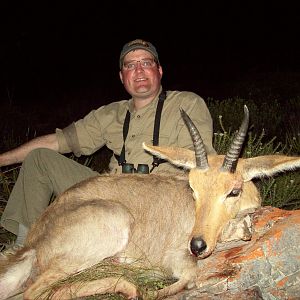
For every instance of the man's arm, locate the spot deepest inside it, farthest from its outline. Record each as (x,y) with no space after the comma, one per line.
(18,154)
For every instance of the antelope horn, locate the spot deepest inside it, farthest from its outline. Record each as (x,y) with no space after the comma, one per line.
(232,156)
(200,153)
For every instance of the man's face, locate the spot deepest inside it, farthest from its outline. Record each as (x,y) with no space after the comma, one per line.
(140,74)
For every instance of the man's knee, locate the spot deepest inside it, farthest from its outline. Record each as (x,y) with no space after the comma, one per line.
(41,154)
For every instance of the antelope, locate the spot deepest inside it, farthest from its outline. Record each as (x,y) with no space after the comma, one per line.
(168,221)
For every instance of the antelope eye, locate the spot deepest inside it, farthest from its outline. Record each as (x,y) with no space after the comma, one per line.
(234,193)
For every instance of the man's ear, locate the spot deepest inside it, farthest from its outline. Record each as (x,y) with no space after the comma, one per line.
(121,77)
(160,71)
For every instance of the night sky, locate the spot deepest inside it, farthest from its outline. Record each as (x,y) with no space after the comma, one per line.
(66,50)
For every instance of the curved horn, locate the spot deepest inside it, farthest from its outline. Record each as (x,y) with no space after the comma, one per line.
(232,156)
(200,153)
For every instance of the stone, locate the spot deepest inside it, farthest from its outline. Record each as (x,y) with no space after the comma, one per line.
(265,267)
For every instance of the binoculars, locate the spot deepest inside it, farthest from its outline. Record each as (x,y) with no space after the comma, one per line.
(129,168)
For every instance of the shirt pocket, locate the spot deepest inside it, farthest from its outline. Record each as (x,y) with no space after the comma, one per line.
(115,142)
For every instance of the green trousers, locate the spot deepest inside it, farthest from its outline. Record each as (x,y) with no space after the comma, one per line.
(43,173)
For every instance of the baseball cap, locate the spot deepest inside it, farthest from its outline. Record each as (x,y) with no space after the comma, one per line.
(138,44)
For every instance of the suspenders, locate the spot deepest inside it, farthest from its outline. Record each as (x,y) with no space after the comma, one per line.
(156,161)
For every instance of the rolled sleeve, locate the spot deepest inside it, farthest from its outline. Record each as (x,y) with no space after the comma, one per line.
(62,142)
(82,137)
(87,135)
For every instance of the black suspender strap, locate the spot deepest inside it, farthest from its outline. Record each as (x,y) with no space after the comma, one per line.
(159,108)
(121,158)
(156,161)
(160,104)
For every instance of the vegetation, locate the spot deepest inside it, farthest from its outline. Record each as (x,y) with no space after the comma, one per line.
(148,280)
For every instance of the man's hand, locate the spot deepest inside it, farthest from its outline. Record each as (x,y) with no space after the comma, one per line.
(18,154)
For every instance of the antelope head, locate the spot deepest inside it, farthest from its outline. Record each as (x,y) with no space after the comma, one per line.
(221,185)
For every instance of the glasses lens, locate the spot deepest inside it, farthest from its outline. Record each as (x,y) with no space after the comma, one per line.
(145,64)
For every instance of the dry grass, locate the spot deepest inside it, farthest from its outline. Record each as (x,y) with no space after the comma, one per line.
(147,280)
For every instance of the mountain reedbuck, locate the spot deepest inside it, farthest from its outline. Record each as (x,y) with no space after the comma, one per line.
(165,221)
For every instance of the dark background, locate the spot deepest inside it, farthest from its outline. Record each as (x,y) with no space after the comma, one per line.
(62,53)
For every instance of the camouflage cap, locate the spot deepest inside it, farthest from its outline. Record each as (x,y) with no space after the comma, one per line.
(138,44)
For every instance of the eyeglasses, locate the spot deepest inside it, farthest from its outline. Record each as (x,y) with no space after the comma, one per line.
(146,63)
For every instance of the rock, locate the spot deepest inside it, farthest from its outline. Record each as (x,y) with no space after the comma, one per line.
(266,267)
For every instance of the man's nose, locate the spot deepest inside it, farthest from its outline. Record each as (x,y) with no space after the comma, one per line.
(139,66)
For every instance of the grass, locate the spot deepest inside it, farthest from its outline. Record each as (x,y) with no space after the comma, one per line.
(147,280)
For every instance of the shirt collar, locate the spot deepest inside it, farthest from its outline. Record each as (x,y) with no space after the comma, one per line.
(142,110)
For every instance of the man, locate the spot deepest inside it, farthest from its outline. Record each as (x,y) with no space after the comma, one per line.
(152,115)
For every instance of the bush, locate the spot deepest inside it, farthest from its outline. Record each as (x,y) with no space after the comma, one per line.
(273,118)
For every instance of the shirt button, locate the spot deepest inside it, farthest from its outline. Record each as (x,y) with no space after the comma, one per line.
(138,116)
(133,136)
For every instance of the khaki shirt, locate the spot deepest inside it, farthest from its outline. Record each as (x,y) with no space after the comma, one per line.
(104,126)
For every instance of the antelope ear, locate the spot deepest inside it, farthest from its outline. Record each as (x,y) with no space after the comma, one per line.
(268,165)
(179,157)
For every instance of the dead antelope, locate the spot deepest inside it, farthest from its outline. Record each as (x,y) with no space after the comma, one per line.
(153,220)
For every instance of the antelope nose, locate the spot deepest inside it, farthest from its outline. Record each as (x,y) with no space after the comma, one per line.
(197,245)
